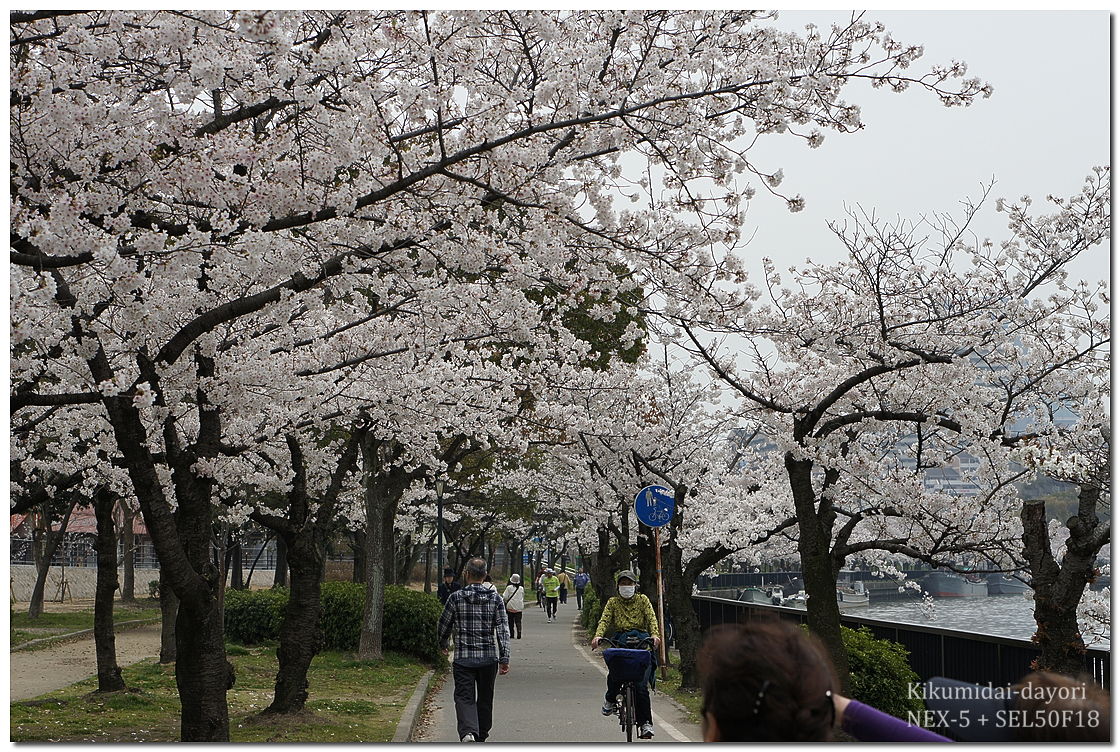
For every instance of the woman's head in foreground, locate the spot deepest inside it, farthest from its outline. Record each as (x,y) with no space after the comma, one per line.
(765,681)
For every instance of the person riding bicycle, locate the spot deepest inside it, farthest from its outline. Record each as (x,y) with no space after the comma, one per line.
(627,612)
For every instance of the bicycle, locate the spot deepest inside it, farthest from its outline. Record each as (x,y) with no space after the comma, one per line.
(631,663)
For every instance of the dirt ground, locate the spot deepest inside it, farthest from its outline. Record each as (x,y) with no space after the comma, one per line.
(33,672)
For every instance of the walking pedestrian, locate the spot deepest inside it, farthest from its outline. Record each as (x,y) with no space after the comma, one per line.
(581,580)
(477,616)
(565,584)
(514,597)
(539,589)
(448,586)
(488,583)
(551,587)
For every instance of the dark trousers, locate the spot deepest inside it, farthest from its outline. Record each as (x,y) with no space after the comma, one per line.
(563,594)
(579,597)
(474,699)
(549,606)
(514,621)
(641,698)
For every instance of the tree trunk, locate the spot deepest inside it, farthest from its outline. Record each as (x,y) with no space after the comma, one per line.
(359,546)
(128,553)
(300,636)
(601,567)
(818,569)
(281,577)
(382,484)
(45,551)
(237,567)
(169,614)
(1058,587)
(686,626)
(428,568)
(105,646)
(202,673)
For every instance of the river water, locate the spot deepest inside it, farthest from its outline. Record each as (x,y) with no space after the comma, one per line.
(1000,615)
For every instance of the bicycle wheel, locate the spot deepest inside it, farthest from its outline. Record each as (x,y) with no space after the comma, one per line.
(628,704)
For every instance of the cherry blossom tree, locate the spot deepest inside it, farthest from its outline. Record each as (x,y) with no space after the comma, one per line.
(906,358)
(1061,557)
(215,215)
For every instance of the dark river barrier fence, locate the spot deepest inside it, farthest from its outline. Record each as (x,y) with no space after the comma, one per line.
(933,651)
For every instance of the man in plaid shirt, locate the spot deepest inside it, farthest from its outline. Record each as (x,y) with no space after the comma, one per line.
(475,613)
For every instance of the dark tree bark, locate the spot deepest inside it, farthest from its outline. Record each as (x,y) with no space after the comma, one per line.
(359,546)
(428,567)
(109,677)
(819,567)
(45,546)
(237,567)
(169,613)
(305,538)
(280,578)
(128,557)
(383,485)
(1058,587)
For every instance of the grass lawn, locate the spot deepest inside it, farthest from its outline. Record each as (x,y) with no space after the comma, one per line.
(671,686)
(349,701)
(23,628)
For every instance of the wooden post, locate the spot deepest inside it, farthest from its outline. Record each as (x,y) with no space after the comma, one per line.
(660,600)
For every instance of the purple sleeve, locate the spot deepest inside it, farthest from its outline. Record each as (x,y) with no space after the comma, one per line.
(867,724)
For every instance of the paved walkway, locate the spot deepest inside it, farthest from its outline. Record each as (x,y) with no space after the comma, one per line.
(35,672)
(553,692)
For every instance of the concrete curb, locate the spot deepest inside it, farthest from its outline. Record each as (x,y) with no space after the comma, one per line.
(75,635)
(410,718)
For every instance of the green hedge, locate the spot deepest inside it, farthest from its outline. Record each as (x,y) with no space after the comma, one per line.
(409,624)
(592,610)
(880,673)
(254,616)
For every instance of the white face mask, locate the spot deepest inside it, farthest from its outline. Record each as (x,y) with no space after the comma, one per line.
(626,591)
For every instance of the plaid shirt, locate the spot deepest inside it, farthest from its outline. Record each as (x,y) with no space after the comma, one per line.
(475,613)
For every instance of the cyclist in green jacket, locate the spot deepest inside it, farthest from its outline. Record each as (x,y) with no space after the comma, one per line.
(622,613)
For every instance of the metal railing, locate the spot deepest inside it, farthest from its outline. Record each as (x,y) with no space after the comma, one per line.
(933,651)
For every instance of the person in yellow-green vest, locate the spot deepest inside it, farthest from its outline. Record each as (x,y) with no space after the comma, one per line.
(628,612)
(550,584)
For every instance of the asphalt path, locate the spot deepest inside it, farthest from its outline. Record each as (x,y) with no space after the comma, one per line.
(553,692)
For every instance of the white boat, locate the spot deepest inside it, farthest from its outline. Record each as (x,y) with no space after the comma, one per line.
(797,600)
(853,597)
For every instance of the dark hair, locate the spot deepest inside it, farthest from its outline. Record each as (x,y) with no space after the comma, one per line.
(766,682)
(476,569)
(1077,709)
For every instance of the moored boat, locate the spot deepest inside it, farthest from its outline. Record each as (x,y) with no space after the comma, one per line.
(953,585)
(852,597)
(1001,584)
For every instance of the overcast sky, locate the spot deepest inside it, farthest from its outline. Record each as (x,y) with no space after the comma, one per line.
(1045,126)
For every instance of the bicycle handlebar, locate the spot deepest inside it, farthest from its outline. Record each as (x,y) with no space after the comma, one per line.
(644,643)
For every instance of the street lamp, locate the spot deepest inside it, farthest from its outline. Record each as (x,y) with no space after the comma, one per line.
(439,483)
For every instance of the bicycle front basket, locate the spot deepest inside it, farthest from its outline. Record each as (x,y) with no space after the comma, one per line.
(626,664)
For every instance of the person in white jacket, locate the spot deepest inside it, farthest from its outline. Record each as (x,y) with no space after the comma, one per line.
(514,596)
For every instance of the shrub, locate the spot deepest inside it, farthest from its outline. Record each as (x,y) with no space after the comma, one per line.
(340,616)
(592,610)
(409,624)
(880,673)
(254,616)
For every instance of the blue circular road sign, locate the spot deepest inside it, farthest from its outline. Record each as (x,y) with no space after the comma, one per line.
(654,506)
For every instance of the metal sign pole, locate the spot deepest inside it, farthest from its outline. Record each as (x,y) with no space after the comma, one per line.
(660,599)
